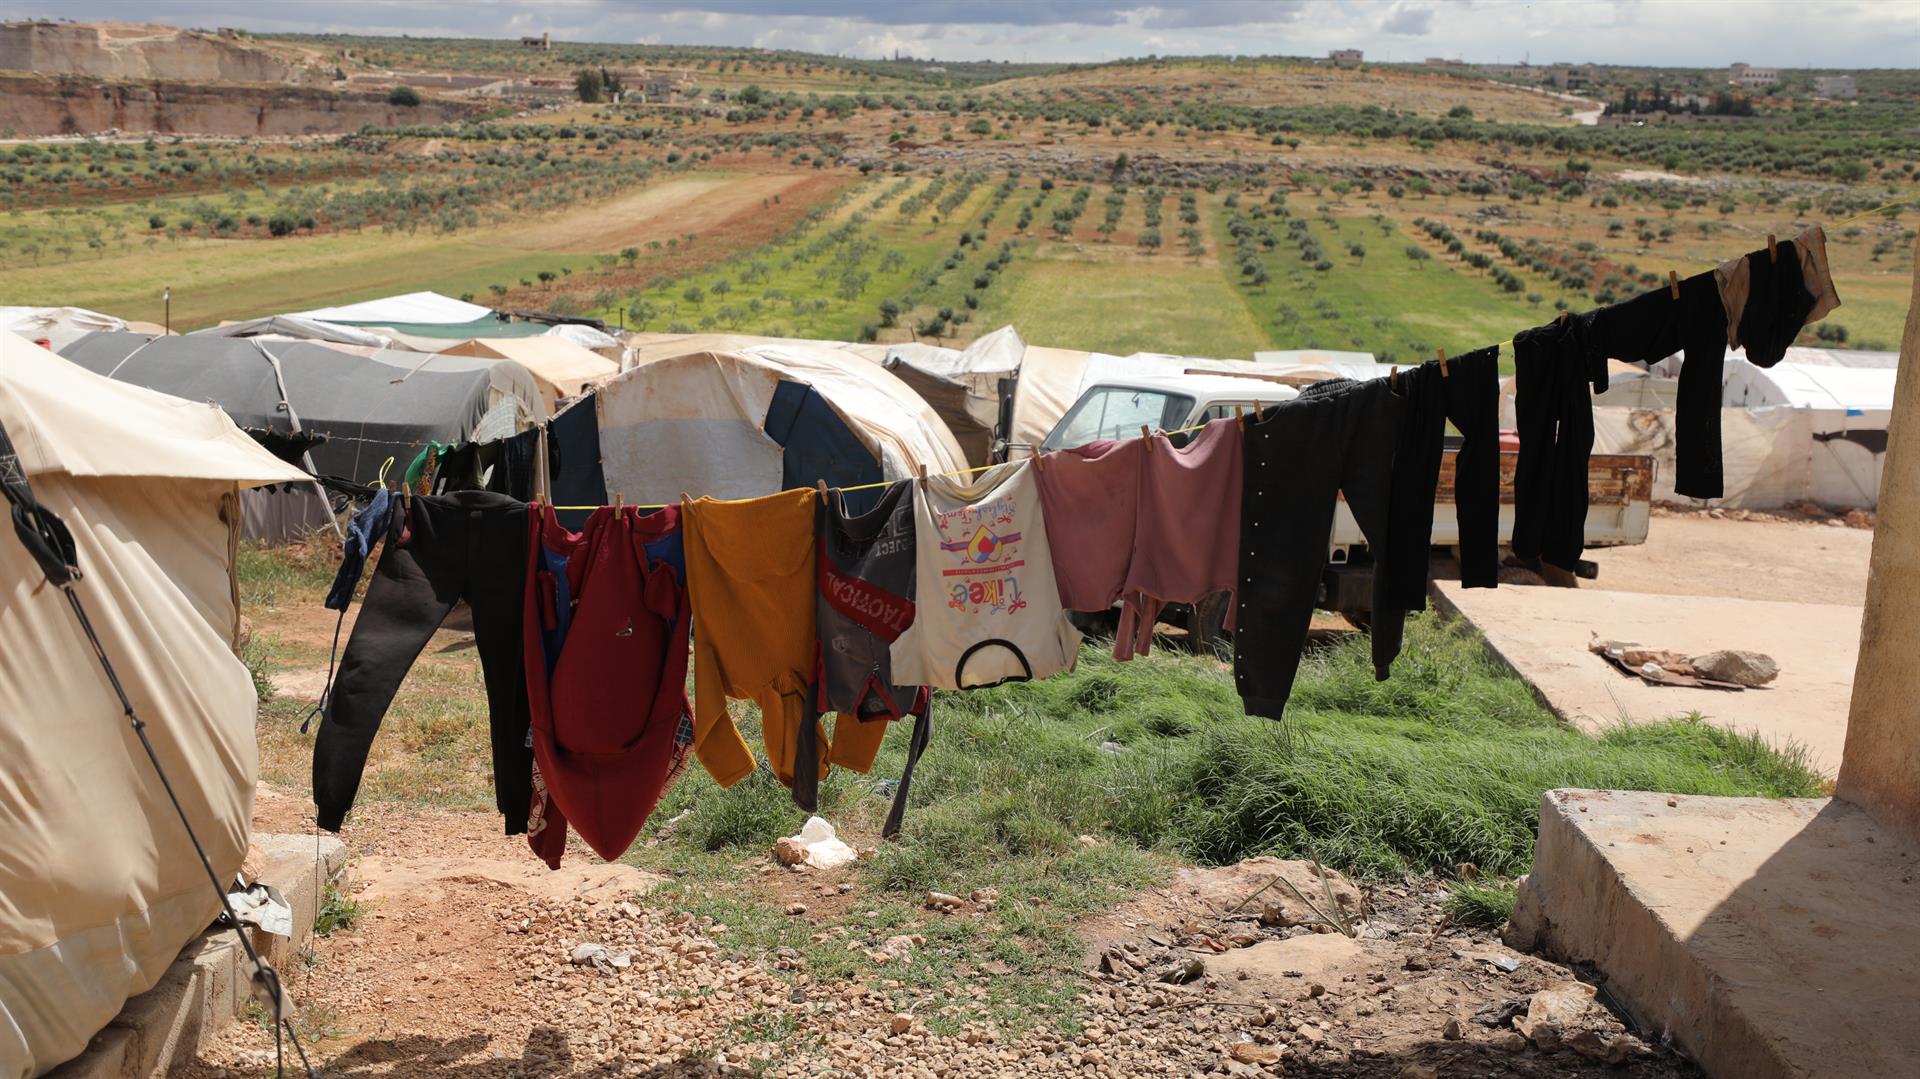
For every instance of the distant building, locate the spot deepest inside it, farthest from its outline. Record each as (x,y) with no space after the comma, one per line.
(1570,76)
(1345,57)
(1834,86)
(661,85)
(1753,78)
(544,42)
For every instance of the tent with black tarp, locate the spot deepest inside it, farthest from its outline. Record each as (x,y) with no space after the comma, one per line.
(388,404)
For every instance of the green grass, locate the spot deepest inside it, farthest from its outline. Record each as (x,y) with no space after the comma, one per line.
(1481,904)
(1383,302)
(1107,300)
(272,575)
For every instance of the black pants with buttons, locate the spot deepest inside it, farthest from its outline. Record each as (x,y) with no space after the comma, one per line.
(1335,438)
(472,546)
(1468,394)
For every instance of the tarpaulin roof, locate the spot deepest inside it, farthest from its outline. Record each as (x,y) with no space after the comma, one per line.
(298,327)
(370,407)
(99,886)
(58,326)
(562,368)
(424,308)
(648,347)
(1807,386)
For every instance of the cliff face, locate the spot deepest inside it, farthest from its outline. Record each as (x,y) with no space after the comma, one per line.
(39,105)
(128,51)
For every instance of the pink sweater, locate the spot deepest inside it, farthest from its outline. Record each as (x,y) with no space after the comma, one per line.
(1090,495)
(1186,540)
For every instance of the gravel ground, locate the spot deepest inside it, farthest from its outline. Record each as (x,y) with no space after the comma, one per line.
(464,964)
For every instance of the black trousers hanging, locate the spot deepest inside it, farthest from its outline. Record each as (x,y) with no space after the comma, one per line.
(1653,326)
(468,546)
(1335,438)
(1469,396)
(1553,406)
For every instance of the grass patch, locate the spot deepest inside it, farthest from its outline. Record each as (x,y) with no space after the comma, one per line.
(1481,904)
(337,911)
(272,575)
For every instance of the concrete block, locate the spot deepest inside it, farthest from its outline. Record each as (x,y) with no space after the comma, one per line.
(105,1057)
(1768,938)
(166,1021)
(217,956)
(300,866)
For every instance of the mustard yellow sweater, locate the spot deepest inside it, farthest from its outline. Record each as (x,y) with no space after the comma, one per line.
(750,567)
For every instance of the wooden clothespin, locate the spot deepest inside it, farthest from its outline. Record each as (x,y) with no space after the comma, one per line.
(619,502)
(1393,379)
(1147,434)
(821,486)
(1039,461)
(684,499)
(1773,249)
(923,473)
(1673,283)
(1564,316)
(1240,417)
(1441,355)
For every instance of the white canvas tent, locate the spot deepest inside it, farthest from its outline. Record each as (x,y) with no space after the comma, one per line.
(963,385)
(1798,430)
(99,886)
(748,423)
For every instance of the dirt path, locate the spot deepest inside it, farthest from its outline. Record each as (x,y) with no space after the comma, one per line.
(462,963)
(661,209)
(1697,555)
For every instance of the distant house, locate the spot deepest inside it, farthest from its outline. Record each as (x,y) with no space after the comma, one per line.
(544,42)
(1345,57)
(1753,78)
(1570,76)
(1834,86)
(661,84)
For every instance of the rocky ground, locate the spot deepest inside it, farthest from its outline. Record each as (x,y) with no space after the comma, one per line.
(470,959)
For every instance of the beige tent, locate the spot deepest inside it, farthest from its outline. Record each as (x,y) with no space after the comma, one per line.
(648,347)
(99,886)
(562,368)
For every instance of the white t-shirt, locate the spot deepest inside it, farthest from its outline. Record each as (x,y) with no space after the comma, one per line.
(986,606)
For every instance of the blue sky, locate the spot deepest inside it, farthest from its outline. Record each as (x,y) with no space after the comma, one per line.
(1702,33)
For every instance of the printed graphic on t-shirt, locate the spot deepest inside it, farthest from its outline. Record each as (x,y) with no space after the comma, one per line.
(984,545)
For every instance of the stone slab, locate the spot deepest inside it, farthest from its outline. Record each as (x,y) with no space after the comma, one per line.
(1768,938)
(1542,633)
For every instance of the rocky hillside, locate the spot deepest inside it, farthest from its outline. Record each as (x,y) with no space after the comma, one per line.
(39,105)
(134,51)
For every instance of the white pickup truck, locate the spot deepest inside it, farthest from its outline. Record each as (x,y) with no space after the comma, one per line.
(1620,486)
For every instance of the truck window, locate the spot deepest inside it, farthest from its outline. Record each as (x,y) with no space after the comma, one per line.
(1221,410)
(1118,412)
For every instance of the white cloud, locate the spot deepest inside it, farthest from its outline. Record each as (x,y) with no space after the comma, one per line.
(1408,19)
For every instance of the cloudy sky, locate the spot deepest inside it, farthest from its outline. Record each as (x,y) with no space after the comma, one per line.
(1781,33)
